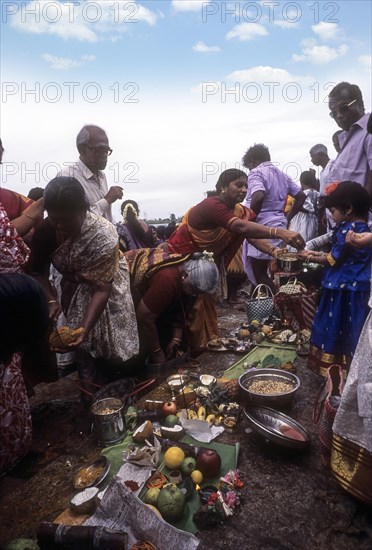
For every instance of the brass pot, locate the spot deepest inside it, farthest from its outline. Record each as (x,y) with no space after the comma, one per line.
(289,262)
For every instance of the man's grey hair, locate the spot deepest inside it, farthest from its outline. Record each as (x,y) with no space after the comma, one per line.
(83,136)
(319,148)
(203,274)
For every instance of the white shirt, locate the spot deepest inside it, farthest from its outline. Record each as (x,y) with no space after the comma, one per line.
(95,188)
(324,178)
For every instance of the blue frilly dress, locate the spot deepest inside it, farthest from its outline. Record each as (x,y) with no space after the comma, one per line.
(343,306)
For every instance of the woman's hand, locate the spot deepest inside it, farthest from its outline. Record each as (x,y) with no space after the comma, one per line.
(35,210)
(304,254)
(81,338)
(293,238)
(360,240)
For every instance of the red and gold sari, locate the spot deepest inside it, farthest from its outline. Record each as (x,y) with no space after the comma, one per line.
(218,239)
(212,237)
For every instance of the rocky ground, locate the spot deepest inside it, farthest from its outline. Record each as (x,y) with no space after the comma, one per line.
(290,500)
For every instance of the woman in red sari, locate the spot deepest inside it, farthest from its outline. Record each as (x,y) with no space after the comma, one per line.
(164,288)
(220,224)
(24,349)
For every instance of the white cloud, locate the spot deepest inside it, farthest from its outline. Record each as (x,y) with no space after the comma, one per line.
(366,60)
(262,74)
(88,57)
(320,55)
(86,21)
(247,31)
(188,5)
(203,48)
(327,31)
(66,63)
(282,23)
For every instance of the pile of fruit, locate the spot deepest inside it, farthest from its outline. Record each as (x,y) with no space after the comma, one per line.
(188,470)
(169,499)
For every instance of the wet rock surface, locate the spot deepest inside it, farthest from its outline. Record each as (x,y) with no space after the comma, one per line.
(290,500)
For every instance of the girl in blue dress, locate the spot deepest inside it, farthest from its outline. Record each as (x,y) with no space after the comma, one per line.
(343,306)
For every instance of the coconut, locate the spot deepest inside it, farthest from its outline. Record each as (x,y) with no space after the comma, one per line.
(243,333)
(171,503)
(143,432)
(85,502)
(174,434)
(207,379)
(171,421)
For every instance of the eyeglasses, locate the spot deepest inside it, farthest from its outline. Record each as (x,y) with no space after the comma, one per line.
(343,109)
(100,150)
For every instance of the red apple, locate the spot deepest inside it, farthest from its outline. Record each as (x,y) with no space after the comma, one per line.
(208,462)
(170,408)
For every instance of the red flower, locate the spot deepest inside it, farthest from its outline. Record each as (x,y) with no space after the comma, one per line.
(331,187)
(212,499)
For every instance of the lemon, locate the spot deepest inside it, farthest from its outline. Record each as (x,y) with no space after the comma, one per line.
(197,476)
(174,457)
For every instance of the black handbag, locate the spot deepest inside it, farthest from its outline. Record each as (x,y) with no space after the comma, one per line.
(260,306)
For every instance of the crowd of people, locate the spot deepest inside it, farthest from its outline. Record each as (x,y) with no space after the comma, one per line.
(136,293)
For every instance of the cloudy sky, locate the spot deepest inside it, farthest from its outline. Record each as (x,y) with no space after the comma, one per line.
(182,87)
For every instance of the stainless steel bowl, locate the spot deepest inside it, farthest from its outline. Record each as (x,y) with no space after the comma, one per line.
(85,478)
(278,400)
(271,424)
(289,262)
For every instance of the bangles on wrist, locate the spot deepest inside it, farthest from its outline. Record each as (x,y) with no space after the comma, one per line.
(156,350)
(273,231)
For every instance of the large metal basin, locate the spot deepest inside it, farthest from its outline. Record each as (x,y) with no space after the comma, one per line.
(278,400)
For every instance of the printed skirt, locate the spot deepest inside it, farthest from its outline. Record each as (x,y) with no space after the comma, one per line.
(352,467)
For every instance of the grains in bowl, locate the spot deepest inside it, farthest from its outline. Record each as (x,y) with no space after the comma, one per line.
(270,387)
(106,411)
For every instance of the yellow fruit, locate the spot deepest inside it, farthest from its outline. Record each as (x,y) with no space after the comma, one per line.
(201,413)
(211,418)
(192,415)
(197,476)
(255,323)
(174,457)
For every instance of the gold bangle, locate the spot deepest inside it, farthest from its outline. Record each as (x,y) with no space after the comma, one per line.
(156,350)
(176,340)
(275,230)
(52,302)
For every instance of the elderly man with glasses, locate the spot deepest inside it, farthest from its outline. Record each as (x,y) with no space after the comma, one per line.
(354,161)
(93,146)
